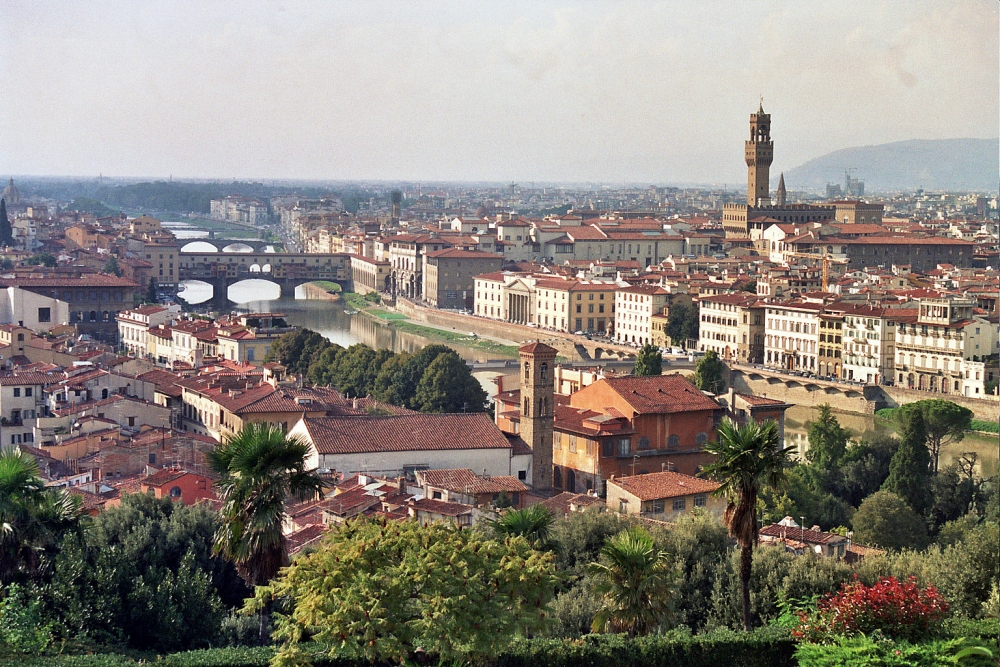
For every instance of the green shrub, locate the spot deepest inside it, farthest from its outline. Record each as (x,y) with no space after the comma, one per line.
(883,653)
(765,647)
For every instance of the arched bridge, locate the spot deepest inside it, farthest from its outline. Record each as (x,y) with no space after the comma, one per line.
(806,391)
(221,245)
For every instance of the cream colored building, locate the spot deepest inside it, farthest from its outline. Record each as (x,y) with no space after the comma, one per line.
(791,338)
(664,496)
(634,309)
(133,326)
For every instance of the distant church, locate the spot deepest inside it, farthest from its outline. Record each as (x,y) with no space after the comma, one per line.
(748,221)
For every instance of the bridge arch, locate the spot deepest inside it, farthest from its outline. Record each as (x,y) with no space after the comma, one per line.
(238,247)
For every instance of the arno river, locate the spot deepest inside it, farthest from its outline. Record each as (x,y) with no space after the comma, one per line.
(330,319)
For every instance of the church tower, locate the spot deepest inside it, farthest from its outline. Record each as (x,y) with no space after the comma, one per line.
(779,198)
(759,155)
(537,394)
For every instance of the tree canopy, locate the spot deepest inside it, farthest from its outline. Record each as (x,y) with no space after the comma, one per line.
(945,422)
(649,361)
(6,231)
(709,373)
(379,590)
(909,470)
(886,520)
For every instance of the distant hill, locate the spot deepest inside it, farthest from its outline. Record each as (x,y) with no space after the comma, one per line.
(937,164)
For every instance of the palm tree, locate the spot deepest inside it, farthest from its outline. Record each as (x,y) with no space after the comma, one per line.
(747,458)
(635,584)
(533,523)
(33,519)
(259,469)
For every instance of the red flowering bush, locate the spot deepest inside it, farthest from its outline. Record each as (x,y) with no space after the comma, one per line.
(900,610)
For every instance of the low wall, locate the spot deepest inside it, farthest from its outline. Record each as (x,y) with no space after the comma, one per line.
(568,345)
(987,409)
(312,291)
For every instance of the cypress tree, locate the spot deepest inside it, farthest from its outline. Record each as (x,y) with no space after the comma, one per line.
(6,231)
(909,470)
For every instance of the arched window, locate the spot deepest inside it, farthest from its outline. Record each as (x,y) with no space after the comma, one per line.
(93,316)
(527,370)
(643,442)
(527,407)
(673,442)
(701,438)
(543,370)
(556,478)
(175,492)
(104,393)
(571,480)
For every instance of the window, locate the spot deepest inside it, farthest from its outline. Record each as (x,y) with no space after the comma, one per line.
(152,459)
(522,475)
(673,442)
(700,500)
(608,448)
(680,504)
(701,438)
(44,314)
(131,421)
(656,507)
(175,492)
(643,442)
(557,478)
(17,392)
(572,443)
(27,390)
(624,446)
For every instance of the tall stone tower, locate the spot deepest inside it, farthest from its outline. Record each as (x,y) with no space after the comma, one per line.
(782,194)
(759,155)
(537,394)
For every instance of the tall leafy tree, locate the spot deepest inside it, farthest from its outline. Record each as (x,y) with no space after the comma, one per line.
(827,440)
(378,591)
(6,231)
(886,520)
(675,323)
(747,458)
(111,266)
(151,291)
(691,324)
(909,470)
(259,469)
(649,361)
(447,385)
(634,582)
(404,384)
(709,373)
(945,422)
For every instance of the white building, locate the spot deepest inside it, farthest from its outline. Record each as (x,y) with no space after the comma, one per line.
(933,346)
(133,326)
(791,336)
(868,345)
(634,310)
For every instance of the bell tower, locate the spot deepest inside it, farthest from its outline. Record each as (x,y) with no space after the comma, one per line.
(537,394)
(759,155)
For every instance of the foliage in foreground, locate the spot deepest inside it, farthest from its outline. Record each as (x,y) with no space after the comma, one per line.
(377,591)
(880,652)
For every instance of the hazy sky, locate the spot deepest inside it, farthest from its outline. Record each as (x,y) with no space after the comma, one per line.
(529,91)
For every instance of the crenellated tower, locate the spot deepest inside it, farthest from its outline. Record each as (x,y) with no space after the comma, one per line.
(759,154)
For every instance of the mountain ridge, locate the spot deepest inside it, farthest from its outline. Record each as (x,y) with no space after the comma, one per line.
(931,164)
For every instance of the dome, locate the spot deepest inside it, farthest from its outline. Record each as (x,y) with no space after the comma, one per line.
(11,194)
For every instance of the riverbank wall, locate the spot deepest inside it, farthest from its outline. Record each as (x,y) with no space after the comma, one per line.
(312,291)
(574,348)
(846,398)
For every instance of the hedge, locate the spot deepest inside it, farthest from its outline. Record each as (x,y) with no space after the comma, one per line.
(765,647)
(986,426)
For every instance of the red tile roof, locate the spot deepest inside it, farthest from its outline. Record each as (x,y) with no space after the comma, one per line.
(660,394)
(539,349)
(657,485)
(399,433)
(440,507)
(777,530)
(463,480)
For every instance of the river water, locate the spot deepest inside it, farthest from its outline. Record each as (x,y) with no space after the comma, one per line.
(331,320)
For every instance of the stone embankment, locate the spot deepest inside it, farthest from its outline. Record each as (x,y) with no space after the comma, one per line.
(862,399)
(314,291)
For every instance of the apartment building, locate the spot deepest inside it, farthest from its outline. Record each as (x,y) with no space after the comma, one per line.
(733,326)
(449,275)
(634,310)
(134,324)
(868,345)
(791,339)
(553,302)
(933,345)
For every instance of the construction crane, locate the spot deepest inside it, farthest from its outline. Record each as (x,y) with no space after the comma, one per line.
(826,260)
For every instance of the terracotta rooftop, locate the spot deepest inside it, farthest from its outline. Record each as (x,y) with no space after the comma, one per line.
(400,433)
(440,507)
(538,349)
(776,530)
(463,480)
(657,485)
(660,394)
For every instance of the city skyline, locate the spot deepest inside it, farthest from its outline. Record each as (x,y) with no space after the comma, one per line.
(597,92)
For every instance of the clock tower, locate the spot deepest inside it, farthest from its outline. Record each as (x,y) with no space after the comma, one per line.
(759,154)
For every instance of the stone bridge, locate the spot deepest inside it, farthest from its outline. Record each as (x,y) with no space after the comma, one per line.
(806,391)
(221,244)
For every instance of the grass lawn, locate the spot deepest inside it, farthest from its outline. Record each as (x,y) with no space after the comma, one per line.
(386,315)
(328,286)
(458,338)
(355,300)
